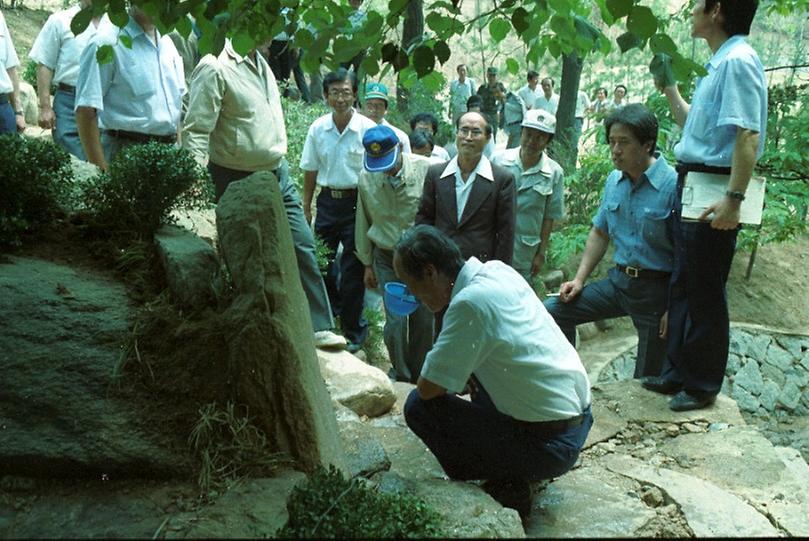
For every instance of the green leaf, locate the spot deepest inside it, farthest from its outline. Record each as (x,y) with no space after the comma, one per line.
(560,6)
(433,81)
(520,19)
(627,41)
(184,27)
(619,8)
(661,43)
(81,20)
(397,6)
(117,13)
(642,22)
(563,27)
(437,22)
(389,52)
(498,29)
(125,40)
(442,51)
(660,66)
(606,16)
(586,30)
(370,66)
(304,38)
(243,43)
(512,66)
(401,60)
(423,60)
(105,54)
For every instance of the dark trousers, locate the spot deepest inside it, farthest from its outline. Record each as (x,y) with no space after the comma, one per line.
(644,300)
(334,224)
(473,440)
(311,280)
(699,326)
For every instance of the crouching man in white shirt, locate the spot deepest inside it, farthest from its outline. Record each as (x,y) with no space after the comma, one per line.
(530,410)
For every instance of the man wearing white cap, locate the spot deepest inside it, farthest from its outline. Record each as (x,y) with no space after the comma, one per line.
(390,187)
(376,106)
(539,181)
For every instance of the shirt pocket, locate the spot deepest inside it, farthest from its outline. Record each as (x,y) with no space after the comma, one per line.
(654,224)
(354,159)
(613,209)
(704,119)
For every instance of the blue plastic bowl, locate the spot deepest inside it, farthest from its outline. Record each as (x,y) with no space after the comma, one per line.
(399,300)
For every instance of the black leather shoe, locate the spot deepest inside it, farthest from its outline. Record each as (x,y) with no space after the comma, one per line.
(661,385)
(684,401)
(513,493)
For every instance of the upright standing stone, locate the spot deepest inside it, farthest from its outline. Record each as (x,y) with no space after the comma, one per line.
(271,342)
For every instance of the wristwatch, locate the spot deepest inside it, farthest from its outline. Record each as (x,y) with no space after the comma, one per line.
(735,195)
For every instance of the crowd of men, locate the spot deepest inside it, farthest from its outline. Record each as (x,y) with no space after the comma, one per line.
(465,227)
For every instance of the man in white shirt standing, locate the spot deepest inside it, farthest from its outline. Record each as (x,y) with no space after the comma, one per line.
(459,91)
(57,52)
(529,413)
(136,98)
(332,158)
(549,101)
(531,91)
(12,119)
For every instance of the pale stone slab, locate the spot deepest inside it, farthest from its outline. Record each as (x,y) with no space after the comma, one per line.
(365,389)
(709,510)
(634,403)
(588,502)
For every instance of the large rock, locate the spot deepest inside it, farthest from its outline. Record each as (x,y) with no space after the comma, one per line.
(365,455)
(742,461)
(271,342)
(191,267)
(588,502)
(30,103)
(750,378)
(62,330)
(202,222)
(254,509)
(709,510)
(363,388)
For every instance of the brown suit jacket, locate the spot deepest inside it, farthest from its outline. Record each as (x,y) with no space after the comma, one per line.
(486,228)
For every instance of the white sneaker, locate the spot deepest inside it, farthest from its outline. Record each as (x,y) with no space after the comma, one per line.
(328,339)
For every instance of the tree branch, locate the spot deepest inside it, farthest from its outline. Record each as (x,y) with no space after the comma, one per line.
(792,67)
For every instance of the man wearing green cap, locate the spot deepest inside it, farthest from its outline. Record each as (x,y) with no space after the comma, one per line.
(491,103)
(375,107)
(390,188)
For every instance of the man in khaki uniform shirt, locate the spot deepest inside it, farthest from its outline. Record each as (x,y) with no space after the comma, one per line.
(390,187)
(234,117)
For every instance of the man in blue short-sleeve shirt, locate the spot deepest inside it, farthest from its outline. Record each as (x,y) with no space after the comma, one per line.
(529,413)
(723,134)
(635,214)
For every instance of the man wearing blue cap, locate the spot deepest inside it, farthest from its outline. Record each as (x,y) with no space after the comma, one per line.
(389,191)
(376,106)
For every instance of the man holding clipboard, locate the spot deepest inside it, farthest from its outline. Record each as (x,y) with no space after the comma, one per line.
(723,134)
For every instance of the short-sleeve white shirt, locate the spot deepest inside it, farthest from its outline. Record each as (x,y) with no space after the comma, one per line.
(8,57)
(549,105)
(337,157)
(141,90)
(497,328)
(58,49)
(530,96)
(401,135)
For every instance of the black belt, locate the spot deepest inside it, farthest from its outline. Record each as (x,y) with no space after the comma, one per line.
(554,426)
(339,194)
(67,88)
(3,98)
(142,137)
(683,168)
(634,272)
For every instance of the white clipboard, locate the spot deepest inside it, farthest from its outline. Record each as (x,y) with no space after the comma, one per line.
(702,190)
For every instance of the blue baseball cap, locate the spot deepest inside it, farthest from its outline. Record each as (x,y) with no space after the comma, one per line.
(381,149)
(376,91)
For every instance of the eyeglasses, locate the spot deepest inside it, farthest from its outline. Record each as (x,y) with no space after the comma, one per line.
(466,132)
(341,93)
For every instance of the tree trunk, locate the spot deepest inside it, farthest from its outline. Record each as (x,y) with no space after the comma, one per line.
(566,143)
(411,32)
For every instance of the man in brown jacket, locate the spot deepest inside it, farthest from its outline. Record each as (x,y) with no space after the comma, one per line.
(469,198)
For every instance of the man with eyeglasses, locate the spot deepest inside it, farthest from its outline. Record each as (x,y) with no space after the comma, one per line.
(469,198)
(332,158)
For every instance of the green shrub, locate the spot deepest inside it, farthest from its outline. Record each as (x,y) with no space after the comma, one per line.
(329,506)
(299,116)
(143,185)
(29,74)
(35,180)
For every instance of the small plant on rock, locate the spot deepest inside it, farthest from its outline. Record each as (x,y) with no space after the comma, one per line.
(35,182)
(143,185)
(330,506)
